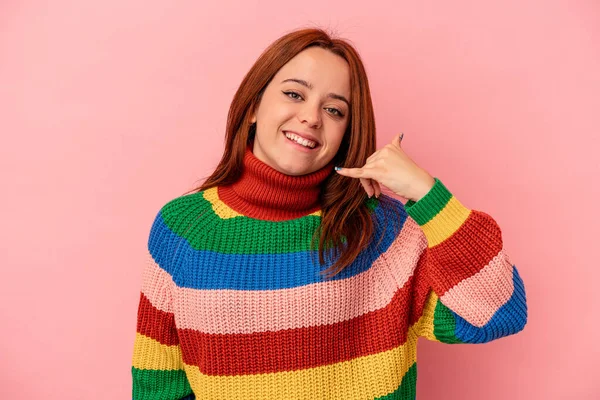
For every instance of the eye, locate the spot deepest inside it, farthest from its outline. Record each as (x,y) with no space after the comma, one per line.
(293,94)
(296,96)
(334,111)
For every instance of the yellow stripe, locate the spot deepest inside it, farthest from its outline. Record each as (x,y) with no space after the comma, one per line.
(219,208)
(223,210)
(151,354)
(424,326)
(446,222)
(344,380)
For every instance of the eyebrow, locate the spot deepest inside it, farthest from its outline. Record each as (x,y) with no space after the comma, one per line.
(310,86)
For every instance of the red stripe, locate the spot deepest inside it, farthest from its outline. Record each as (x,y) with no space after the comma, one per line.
(293,349)
(157,324)
(464,253)
(421,289)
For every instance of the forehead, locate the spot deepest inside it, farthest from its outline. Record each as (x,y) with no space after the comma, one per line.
(326,71)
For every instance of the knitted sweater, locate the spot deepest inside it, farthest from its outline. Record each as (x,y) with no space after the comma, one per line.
(233,303)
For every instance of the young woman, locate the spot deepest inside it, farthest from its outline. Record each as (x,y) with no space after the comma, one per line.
(284,278)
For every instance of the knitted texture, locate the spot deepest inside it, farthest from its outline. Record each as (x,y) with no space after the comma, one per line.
(233,304)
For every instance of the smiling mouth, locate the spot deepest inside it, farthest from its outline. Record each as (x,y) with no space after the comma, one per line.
(308,144)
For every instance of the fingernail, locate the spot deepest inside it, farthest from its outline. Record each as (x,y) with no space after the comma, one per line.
(401,136)
(337,168)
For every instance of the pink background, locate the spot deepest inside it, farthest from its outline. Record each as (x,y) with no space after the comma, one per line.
(109,109)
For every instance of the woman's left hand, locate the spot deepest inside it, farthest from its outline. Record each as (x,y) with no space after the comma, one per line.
(393,168)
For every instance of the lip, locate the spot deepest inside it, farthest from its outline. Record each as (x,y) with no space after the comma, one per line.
(307,136)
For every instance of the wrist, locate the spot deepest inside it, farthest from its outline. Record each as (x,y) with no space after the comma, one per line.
(423,188)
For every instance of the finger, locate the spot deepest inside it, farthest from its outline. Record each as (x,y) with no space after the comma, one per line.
(368,178)
(376,187)
(364,172)
(368,186)
(397,141)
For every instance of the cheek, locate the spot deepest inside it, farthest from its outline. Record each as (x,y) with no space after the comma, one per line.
(273,110)
(335,139)
(274,119)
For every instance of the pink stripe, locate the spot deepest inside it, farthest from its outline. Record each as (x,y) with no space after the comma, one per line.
(404,253)
(250,311)
(155,285)
(478,297)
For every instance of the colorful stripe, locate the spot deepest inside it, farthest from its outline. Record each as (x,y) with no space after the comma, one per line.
(160,385)
(367,377)
(442,324)
(152,354)
(156,323)
(236,307)
(271,270)
(204,306)
(480,296)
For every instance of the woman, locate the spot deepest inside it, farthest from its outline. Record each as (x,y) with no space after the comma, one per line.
(282,278)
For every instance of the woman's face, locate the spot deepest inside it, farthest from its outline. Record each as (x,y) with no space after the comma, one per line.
(306,102)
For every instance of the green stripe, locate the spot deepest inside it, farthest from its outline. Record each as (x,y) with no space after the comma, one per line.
(192,217)
(444,324)
(430,205)
(151,384)
(407,389)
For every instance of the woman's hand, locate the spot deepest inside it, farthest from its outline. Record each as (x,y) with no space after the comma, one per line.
(391,167)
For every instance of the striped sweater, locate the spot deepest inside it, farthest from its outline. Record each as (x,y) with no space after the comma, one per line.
(233,304)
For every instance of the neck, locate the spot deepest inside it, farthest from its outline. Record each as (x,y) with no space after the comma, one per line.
(262,192)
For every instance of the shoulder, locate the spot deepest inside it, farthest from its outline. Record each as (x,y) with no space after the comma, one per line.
(174,218)
(177,227)
(175,209)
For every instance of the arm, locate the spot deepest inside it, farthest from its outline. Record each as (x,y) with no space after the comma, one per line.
(157,365)
(467,290)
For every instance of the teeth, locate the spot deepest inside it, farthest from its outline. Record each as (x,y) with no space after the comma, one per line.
(302,141)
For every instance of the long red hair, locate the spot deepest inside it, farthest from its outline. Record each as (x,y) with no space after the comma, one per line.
(346,224)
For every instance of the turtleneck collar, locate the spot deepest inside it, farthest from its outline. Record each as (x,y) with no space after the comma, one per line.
(262,192)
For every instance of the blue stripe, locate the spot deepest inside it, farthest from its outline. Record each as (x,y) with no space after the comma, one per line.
(203,269)
(509,319)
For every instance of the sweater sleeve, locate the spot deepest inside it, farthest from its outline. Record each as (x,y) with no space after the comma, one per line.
(467,290)
(157,366)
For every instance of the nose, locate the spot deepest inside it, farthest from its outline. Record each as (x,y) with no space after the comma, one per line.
(310,114)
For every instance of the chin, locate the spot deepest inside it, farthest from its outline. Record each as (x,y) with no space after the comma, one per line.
(294,171)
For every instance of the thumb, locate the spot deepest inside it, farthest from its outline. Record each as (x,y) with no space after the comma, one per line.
(398,140)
